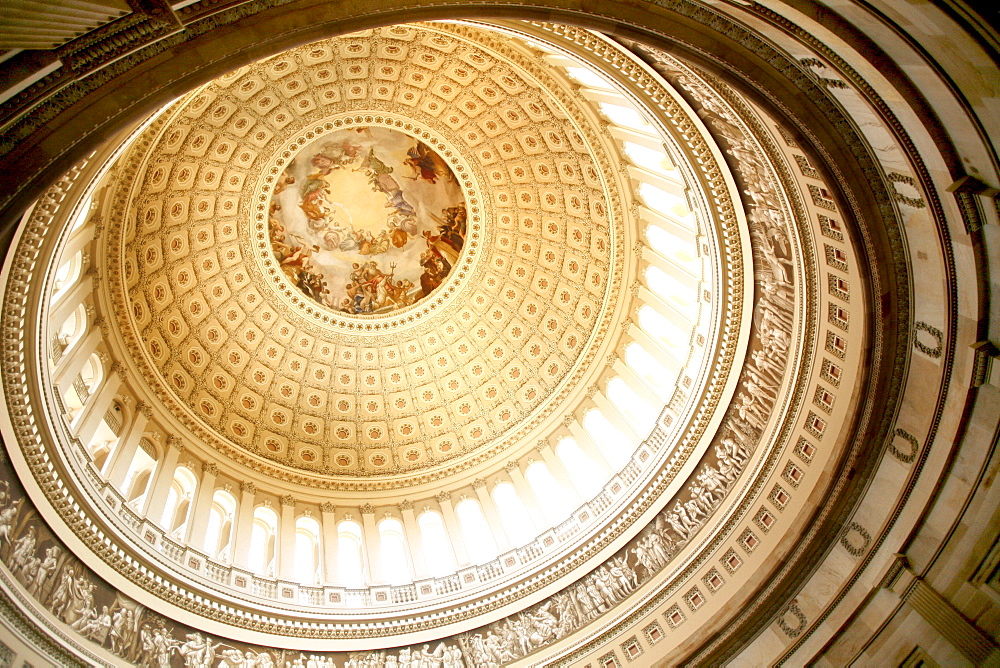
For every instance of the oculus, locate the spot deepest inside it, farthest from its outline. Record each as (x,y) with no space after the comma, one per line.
(367,220)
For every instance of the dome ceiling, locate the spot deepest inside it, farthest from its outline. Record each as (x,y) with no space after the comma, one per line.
(314,358)
(531,229)
(372,254)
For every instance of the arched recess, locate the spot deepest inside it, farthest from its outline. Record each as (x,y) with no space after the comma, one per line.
(307,550)
(435,543)
(218,535)
(350,554)
(263,536)
(393,552)
(180,496)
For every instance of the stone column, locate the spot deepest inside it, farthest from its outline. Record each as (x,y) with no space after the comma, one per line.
(527,497)
(156,498)
(642,388)
(454,528)
(671,268)
(371,538)
(116,466)
(618,420)
(198,526)
(74,359)
(243,526)
(69,302)
(78,241)
(665,308)
(286,534)
(558,470)
(656,348)
(590,448)
(328,520)
(966,637)
(413,541)
(491,513)
(89,420)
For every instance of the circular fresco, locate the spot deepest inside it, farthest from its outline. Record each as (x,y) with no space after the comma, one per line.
(367,220)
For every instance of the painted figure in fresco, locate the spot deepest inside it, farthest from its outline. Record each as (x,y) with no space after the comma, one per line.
(436,268)
(379,176)
(44,571)
(299,269)
(99,627)
(7,516)
(427,165)
(197,651)
(24,548)
(441,246)
(452,227)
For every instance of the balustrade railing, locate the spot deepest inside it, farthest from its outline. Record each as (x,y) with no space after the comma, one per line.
(81,389)
(267,587)
(114,421)
(217,572)
(403,594)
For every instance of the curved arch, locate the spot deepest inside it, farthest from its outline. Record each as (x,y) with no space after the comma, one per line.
(307,550)
(436,544)
(179,499)
(479,540)
(218,534)
(393,552)
(350,554)
(555,500)
(263,539)
(66,276)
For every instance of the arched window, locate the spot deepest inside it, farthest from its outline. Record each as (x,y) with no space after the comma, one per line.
(514,516)
(140,471)
(262,540)
(83,386)
(615,446)
(581,468)
(107,435)
(393,552)
(175,510)
(658,327)
(476,531)
(656,376)
(668,288)
(66,276)
(436,544)
(68,333)
(307,533)
(635,409)
(92,373)
(648,158)
(81,213)
(659,200)
(556,502)
(670,246)
(589,77)
(220,524)
(625,117)
(350,558)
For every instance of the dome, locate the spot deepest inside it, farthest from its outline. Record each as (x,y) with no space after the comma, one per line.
(482,342)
